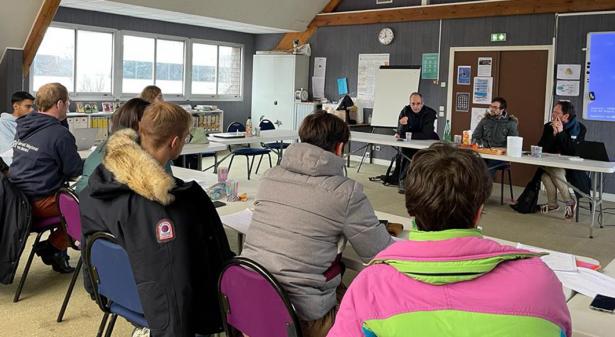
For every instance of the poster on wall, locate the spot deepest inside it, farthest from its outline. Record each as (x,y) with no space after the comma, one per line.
(477,116)
(462,102)
(320,66)
(464,73)
(567,88)
(484,66)
(429,66)
(568,71)
(366,79)
(482,90)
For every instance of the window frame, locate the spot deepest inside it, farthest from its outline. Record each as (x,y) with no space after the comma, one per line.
(117,63)
(78,95)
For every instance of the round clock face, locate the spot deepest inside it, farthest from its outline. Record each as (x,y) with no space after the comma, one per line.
(386,36)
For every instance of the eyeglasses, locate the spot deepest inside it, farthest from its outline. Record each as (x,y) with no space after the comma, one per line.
(495,107)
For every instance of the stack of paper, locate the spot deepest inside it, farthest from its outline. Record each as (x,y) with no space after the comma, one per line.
(557,261)
(239,221)
(588,282)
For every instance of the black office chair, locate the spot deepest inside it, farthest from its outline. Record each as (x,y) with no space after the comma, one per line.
(247,151)
(582,180)
(503,168)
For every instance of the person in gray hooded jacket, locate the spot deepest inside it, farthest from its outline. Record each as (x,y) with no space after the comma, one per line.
(305,210)
(497,124)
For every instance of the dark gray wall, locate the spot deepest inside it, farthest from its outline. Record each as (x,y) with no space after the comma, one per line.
(233,111)
(11,75)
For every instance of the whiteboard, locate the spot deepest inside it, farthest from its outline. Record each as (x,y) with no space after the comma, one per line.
(393,88)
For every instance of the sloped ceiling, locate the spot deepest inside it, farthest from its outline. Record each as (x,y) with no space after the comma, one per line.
(16,20)
(248,16)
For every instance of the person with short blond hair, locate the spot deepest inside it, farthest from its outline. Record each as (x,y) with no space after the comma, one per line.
(45,158)
(447,279)
(152,94)
(169,228)
(305,211)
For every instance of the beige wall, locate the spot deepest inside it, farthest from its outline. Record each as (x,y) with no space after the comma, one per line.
(16,19)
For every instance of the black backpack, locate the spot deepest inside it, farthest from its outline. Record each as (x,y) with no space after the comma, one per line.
(528,200)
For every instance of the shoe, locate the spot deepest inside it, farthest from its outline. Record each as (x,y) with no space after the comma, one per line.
(569,211)
(60,263)
(45,251)
(546,208)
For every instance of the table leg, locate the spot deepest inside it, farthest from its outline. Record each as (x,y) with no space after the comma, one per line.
(240,239)
(593,202)
(199,164)
(363,158)
(348,159)
(601,216)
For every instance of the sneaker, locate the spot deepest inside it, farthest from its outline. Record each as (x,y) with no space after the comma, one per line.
(569,211)
(546,208)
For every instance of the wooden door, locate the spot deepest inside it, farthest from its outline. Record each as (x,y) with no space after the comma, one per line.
(518,76)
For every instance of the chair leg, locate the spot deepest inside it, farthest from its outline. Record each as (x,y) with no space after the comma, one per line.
(103,323)
(259,163)
(215,163)
(512,196)
(269,155)
(502,187)
(69,291)
(577,212)
(111,325)
(22,281)
(249,166)
(231,163)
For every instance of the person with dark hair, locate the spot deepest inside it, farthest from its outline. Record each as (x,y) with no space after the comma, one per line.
(559,136)
(492,130)
(127,116)
(305,210)
(447,280)
(45,158)
(169,228)
(21,102)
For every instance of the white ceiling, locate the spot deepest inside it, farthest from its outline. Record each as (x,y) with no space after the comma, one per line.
(248,16)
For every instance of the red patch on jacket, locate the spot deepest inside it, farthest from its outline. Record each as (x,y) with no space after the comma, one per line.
(165,231)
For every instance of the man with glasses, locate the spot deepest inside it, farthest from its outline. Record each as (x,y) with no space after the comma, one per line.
(493,129)
(44,157)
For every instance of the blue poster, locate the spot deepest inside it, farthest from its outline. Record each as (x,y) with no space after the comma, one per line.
(342,86)
(464,73)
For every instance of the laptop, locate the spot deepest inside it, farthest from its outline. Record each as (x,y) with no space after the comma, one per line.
(592,151)
(229,135)
(85,138)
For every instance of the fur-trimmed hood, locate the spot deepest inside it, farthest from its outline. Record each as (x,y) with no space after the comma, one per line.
(137,169)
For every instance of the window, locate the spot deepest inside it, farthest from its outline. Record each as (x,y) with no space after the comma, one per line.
(140,55)
(94,62)
(54,61)
(216,70)
(60,51)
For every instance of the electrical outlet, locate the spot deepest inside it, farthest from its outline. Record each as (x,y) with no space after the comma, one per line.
(376,147)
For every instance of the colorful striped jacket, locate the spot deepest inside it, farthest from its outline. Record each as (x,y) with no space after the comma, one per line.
(453,283)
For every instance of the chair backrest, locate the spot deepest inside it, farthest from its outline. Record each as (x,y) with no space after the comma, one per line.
(68,204)
(266,124)
(236,126)
(111,273)
(254,303)
(592,150)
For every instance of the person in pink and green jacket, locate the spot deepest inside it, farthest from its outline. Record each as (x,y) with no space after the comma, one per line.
(447,280)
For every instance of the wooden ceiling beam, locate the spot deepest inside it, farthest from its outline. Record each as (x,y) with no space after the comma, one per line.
(286,43)
(460,11)
(35,37)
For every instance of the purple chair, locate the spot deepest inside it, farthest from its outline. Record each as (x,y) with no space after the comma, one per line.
(38,226)
(68,204)
(253,302)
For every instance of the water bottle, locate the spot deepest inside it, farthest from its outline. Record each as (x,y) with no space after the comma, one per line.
(447,132)
(249,127)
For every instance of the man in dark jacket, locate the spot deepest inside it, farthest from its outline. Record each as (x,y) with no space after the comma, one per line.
(559,136)
(170,230)
(44,157)
(418,119)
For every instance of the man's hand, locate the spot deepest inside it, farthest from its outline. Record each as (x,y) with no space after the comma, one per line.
(557,125)
(396,135)
(403,121)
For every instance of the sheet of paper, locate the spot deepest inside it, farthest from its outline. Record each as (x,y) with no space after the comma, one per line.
(239,221)
(464,74)
(318,87)
(477,116)
(366,77)
(557,261)
(588,282)
(484,67)
(567,88)
(320,66)
(568,71)
(483,90)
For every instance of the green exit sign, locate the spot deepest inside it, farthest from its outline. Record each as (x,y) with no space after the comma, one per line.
(498,37)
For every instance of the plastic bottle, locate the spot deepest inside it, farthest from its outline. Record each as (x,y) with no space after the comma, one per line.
(447,132)
(249,127)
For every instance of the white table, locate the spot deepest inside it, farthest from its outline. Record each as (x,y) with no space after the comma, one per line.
(587,322)
(267,136)
(597,169)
